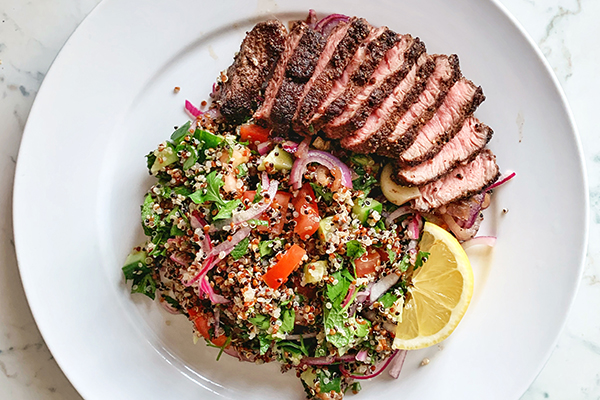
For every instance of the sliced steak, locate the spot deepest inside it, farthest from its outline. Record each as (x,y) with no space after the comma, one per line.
(370,57)
(237,97)
(463,181)
(469,141)
(400,129)
(390,72)
(460,102)
(315,92)
(299,70)
(292,41)
(365,140)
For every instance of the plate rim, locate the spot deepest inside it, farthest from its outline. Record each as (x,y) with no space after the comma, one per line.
(574,132)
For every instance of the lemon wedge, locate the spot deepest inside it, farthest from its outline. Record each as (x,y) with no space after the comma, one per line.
(440,292)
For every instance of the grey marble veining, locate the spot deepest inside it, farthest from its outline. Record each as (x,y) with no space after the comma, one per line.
(31,35)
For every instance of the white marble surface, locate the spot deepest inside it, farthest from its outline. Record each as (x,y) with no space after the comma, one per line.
(31,35)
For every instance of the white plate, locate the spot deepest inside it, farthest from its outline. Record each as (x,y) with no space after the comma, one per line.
(108,100)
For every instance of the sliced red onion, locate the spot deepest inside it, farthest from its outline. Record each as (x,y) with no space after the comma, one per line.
(192,110)
(212,113)
(311,19)
(207,288)
(474,211)
(289,146)
(254,211)
(301,336)
(460,233)
(480,241)
(378,370)
(169,308)
(264,180)
(397,363)
(398,212)
(362,356)
(195,221)
(326,25)
(302,150)
(414,230)
(233,353)
(263,148)
(382,286)
(328,360)
(502,181)
(349,296)
(180,258)
(323,158)
(362,296)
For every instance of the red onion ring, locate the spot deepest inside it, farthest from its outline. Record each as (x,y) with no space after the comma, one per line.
(208,289)
(362,356)
(379,369)
(398,212)
(382,286)
(326,25)
(460,233)
(480,241)
(263,148)
(397,364)
(302,149)
(349,296)
(192,110)
(311,19)
(320,157)
(289,146)
(328,360)
(502,181)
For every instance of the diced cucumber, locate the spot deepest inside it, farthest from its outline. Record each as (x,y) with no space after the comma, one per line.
(280,159)
(164,157)
(363,207)
(315,271)
(325,228)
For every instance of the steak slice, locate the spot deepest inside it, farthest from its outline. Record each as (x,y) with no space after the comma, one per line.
(391,71)
(399,129)
(469,141)
(463,181)
(237,97)
(365,140)
(300,68)
(274,83)
(314,94)
(368,59)
(460,102)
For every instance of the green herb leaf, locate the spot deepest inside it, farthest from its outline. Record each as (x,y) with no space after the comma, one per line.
(421,258)
(388,299)
(363,327)
(240,249)
(192,159)
(335,321)
(135,270)
(243,170)
(214,184)
(148,215)
(337,292)
(223,348)
(404,264)
(320,192)
(293,347)
(210,139)
(354,249)
(150,159)
(267,247)
(287,320)
(171,301)
(265,343)
(180,133)
(226,210)
(261,321)
(391,255)
(329,383)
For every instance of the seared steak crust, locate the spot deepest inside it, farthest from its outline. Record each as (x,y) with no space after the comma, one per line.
(463,181)
(237,98)
(444,128)
(393,137)
(468,142)
(380,93)
(375,52)
(357,32)
(298,71)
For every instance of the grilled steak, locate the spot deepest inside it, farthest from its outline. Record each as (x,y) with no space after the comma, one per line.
(365,140)
(463,181)
(460,102)
(400,129)
(469,141)
(292,41)
(374,52)
(323,79)
(391,71)
(299,70)
(237,97)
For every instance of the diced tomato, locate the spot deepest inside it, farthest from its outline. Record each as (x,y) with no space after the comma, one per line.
(280,202)
(254,134)
(367,263)
(279,273)
(201,322)
(383,254)
(307,222)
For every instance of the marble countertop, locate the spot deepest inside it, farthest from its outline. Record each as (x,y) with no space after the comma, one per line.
(33,32)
